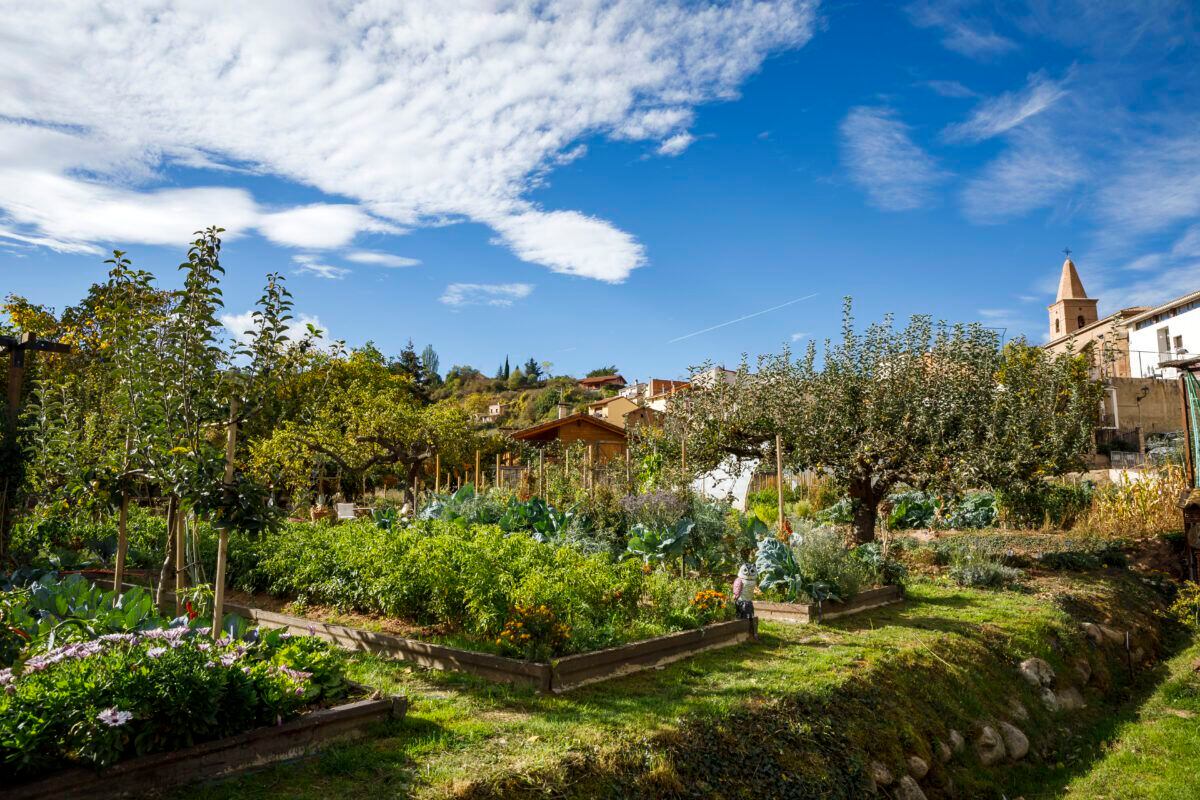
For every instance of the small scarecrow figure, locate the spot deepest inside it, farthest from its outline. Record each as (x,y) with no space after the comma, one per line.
(743,590)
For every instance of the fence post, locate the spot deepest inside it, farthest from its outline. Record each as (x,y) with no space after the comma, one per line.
(180,533)
(542,473)
(223,531)
(779,476)
(437,473)
(497,470)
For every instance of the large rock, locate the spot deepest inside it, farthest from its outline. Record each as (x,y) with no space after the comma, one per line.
(917,767)
(1069,699)
(942,751)
(908,789)
(1037,672)
(1083,670)
(881,775)
(1049,700)
(1016,743)
(1103,634)
(990,746)
(957,743)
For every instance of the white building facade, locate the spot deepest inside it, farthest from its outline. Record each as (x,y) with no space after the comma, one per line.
(1165,332)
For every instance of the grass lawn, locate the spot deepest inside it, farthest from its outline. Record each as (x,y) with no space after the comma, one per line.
(463,733)
(1154,755)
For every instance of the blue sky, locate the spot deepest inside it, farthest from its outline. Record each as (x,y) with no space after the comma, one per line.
(589,183)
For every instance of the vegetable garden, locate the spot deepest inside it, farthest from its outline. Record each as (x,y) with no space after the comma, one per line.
(159,453)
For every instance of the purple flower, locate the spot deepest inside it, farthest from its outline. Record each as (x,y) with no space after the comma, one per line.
(155,652)
(203,647)
(228,659)
(114,717)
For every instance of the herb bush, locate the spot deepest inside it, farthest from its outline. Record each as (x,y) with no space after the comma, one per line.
(815,566)
(94,703)
(467,579)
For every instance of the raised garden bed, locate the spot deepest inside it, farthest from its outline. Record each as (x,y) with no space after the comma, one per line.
(221,758)
(557,675)
(802,613)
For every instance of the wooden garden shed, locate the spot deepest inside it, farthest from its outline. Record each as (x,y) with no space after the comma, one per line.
(609,440)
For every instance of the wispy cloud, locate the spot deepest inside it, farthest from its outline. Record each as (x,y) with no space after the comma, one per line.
(969,37)
(676,144)
(485,294)
(950,89)
(1005,112)
(799,336)
(883,160)
(312,265)
(1035,171)
(380,259)
(1155,185)
(415,113)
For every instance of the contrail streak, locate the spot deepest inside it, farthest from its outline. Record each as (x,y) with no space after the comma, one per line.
(743,319)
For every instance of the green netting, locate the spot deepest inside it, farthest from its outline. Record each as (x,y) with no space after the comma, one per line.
(1193,424)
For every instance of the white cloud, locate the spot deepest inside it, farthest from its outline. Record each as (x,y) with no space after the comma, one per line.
(676,144)
(796,337)
(485,294)
(1033,173)
(381,259)
(883,160)
(320,226)
(414,112)
(312,265)
(42,202)
(571,243)
(1007,111)
(240,325)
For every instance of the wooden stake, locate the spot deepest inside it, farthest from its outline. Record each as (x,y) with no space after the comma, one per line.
(437,473)
(497,470)
(180,544)
(223,531)
(779,475)
(628,475)
(477,472)
(122,543)
(542,474)
(591,467)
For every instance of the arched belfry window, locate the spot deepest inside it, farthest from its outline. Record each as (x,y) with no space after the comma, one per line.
(1079,323)
(1057,326)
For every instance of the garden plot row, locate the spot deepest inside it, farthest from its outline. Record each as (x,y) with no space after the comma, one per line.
(556,675)
(569,672)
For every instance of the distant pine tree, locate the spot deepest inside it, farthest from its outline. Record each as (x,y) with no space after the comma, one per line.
(507,371)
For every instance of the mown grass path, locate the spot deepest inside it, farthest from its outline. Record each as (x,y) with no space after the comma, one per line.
(1154,755)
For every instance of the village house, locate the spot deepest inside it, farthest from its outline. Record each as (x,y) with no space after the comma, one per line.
(602,382)
(612,409)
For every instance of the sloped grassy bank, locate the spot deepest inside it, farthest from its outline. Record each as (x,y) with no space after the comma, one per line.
(896,703)
(803,713)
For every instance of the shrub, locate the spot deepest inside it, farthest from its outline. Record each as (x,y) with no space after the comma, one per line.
(978,564)
(1049,504)
(656,510)
(1186,607)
